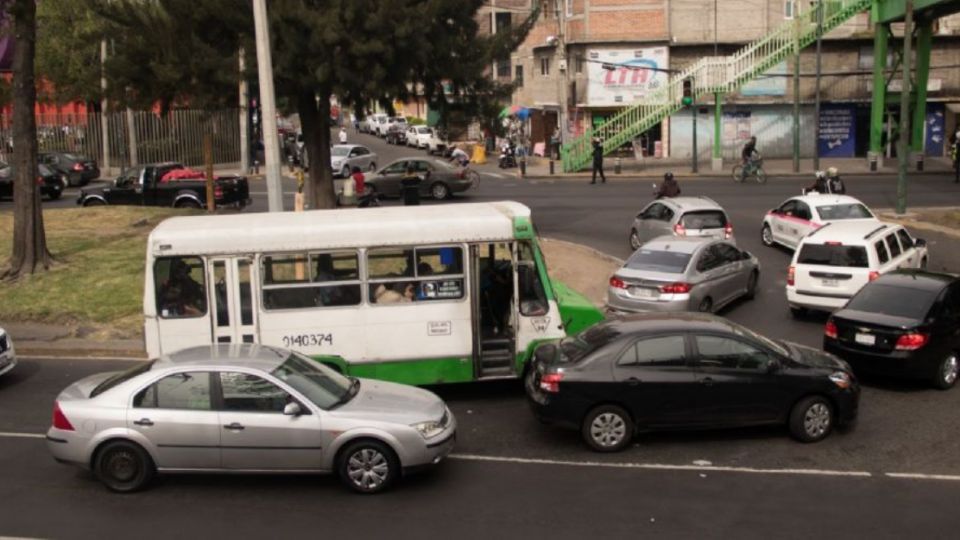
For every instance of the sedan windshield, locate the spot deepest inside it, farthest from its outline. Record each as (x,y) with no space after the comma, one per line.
(895,301)
(672,262)
(323,386)
(338,151)
(767,342)
(834,212)
(575,348)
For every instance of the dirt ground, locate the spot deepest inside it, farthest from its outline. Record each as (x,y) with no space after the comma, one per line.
(584,269)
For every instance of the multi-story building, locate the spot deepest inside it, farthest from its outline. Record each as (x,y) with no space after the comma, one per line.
(579,65)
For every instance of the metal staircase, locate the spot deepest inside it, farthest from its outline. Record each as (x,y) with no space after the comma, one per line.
(716,74)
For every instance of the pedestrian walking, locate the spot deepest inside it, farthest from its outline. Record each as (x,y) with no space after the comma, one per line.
(410,185)
(343,135)
(955,154)
(598,162)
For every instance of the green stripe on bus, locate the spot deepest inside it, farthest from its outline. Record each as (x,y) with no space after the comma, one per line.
(417,372)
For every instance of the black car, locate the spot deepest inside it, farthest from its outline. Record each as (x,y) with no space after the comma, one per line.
(79,170)
(51,182)
(685,371)
(905,323)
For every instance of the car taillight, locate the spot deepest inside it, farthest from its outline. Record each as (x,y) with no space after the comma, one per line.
(77,166)
(830,330)
(617,283)
(728,231)
(911,341)
(217,192)
(873,275)
(551,382)
(675,288)
(791,275)
(679,230)
(59,420)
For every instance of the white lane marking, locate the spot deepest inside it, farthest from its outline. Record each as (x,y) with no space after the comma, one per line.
(13,435)
(917,476)
(495,175)
(77,357)
(265,193)
(657,466)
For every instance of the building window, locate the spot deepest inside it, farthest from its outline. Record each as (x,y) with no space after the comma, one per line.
(545,65)
(502,20)
(518,77)
(503,69)
(581,62)
(569,8)
(789,9)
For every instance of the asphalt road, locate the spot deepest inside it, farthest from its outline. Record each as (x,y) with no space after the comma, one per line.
(742,483)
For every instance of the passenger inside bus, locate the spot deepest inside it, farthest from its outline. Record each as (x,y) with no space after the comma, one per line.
(496,292)
(385,293)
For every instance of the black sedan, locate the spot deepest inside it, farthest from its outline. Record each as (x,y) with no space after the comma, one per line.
(904,323)
(438,179)
(79,170)
(51,182)
(685,371)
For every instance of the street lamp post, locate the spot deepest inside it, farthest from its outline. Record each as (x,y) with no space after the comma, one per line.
(816,113)
(271,144)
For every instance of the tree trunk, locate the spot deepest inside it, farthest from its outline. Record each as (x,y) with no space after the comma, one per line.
(318,190)
(30,252)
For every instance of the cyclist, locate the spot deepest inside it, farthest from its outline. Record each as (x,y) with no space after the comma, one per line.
(749,155)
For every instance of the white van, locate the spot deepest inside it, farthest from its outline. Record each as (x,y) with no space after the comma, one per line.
(833,262)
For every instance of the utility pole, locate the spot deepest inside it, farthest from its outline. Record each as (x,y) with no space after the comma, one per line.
(903,147)
(796,92)
(104,119)
(268,106)
(693,119)
(816,112)
(244,116)
(716,30)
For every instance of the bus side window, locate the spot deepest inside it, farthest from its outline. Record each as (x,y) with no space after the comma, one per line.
(533,300)
(398,275)
(310,280)
(180,287)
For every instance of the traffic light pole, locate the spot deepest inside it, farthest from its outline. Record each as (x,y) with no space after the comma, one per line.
(903,150)
(693,118)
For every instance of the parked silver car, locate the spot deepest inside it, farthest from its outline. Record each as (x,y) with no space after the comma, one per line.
(344,157)
(680,216)
(244,407)
(683,274)
(8,357)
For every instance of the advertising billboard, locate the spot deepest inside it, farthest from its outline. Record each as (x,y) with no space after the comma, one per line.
(620,77)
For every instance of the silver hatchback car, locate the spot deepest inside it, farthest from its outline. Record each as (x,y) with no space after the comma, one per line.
(680,216)
(247,408)
(683,274)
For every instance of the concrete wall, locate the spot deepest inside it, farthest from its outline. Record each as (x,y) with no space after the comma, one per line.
(772,125)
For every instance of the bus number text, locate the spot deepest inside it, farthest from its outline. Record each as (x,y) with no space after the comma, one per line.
(308,340)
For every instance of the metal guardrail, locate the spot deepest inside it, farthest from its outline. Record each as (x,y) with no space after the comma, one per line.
(710,75)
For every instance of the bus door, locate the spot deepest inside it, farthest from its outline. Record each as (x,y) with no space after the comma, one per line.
(536,318)
(492,269)
(231,291)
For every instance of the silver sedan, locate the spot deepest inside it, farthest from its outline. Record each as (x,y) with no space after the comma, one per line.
(683,274)
(236,408)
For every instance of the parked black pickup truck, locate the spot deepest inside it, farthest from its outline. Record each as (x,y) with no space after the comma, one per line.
(145,186)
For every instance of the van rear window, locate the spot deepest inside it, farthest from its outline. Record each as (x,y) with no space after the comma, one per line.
(708,219)
(833,255)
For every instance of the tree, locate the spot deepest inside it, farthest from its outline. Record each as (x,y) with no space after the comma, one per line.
(68,52)
(30,252)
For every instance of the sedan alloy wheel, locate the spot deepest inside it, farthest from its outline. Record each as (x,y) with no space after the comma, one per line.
(947,372)
(368,466)
(811,419)
(607,428)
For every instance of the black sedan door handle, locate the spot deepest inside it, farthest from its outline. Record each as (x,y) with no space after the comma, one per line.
(706,381)
(234,426)
(143,422)
(633,381)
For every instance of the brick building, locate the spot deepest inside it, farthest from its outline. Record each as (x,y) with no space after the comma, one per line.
(574,70)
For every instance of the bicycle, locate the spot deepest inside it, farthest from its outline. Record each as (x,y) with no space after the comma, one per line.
(754,168)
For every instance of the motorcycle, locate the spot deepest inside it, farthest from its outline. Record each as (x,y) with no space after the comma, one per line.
(507,158)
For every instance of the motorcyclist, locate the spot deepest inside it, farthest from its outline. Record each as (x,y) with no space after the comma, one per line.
(834,183)
(819,184)
(669,188)
(508,155)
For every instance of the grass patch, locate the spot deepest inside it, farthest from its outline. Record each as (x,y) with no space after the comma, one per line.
(97,280)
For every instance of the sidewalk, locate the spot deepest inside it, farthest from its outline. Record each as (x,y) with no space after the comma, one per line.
(582,268)
(654,168)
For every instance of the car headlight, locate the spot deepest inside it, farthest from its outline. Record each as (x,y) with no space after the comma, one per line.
(841,379)
(429,429)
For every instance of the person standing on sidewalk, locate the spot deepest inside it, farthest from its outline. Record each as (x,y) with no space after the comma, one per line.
(598,161)
(343,135)
(955,155)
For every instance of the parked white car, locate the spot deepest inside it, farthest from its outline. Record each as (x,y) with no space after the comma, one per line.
(797,217)
(378,124)
(398,121)
(411,138)
(8,357)
(832,263)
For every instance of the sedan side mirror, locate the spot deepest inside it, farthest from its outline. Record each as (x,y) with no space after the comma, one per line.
(773,365)
(920,242)
(744,255)
(292,409)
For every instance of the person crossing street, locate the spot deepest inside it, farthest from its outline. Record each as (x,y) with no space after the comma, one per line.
(598,161)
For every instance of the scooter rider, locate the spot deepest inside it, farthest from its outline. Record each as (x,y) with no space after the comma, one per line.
(820,184)
(834,183)
(669,188)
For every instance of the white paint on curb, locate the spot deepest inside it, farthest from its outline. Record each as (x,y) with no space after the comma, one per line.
(81,357)
(917,476)
(13,435)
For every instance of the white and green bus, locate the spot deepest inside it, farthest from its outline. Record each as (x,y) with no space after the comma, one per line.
(421,295)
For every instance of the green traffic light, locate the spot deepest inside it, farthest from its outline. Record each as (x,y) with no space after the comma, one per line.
(687,101)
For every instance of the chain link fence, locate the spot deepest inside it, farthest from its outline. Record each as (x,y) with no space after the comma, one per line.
(177,136)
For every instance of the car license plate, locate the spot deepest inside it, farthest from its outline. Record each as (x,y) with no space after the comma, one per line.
(643,292)
(865,339)
(829,282)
